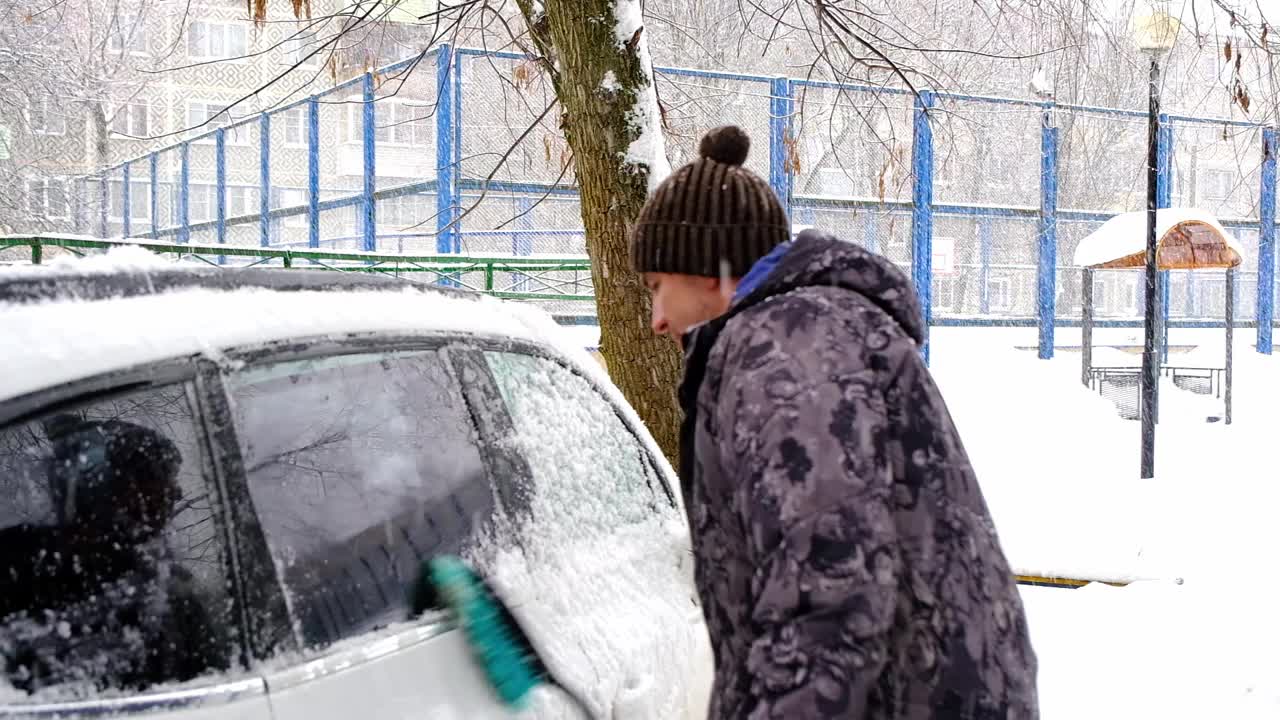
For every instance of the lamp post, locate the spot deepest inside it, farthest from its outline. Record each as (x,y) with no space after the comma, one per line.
(1155,34)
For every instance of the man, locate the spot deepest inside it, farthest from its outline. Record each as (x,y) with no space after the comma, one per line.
(846,561)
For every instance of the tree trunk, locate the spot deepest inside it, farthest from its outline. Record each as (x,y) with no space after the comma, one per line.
(581,48)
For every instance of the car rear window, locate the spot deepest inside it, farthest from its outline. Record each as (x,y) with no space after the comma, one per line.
(110,553)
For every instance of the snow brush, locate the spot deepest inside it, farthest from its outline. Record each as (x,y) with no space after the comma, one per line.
(499,644)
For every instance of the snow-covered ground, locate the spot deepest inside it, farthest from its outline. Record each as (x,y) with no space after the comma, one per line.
(1060,471)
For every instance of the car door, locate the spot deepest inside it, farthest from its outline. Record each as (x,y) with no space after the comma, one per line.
(360,463)
(602,577)
(118,592)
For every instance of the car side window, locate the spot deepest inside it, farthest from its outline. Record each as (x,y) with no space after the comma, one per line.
(591,473)
(111,556)
(360,467)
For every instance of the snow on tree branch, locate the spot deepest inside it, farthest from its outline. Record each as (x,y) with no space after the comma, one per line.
(648,149)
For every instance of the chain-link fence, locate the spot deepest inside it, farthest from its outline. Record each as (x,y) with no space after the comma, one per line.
(459,151)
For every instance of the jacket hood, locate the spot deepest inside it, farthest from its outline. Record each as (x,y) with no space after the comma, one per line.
(816,259)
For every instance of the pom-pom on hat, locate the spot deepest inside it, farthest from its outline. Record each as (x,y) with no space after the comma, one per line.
(712,217)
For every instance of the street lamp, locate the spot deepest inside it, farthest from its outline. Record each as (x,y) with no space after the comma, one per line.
(1155,34)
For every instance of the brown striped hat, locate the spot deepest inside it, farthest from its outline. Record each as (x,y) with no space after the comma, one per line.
(711,217)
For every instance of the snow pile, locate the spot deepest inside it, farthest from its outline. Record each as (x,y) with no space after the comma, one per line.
(125,257)
(648,148)
(120,257)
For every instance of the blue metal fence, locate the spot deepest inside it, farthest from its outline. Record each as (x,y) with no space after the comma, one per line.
(405,159)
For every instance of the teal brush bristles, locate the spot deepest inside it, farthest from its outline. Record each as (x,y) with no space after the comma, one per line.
(499,644)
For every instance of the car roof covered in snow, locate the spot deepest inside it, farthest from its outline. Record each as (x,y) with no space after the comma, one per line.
(59,284)
(64,324)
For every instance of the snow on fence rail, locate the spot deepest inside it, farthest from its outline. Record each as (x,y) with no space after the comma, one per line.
(538,278)
(980,198)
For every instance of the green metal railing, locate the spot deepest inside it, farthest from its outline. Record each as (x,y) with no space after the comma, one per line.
(525,277)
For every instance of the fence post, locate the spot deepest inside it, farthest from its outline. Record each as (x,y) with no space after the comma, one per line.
(1086,327)
(77,205)
(184,205)
(871,237)
(313,172)
(125,229)
(1267,242)
(781,106)
(102,204)
(220,186)
(922,212)
(1047,272)
(985,246)
(264,179)
(155,196)
(446,170)
(1164,199)
(369,205)
(521,240)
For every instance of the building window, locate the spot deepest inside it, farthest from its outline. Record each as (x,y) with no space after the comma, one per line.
(128,34)
(217,41)
(406,211)
(998,162)
(139,200)
(395,123)
(1000,294)
(295,126)
(290,198)
(947,166)
(47,197)
(200,202)
(203,116)
(242,200)
(300,48)
(45,117)
(1216,185)
(944,293)
(132,119)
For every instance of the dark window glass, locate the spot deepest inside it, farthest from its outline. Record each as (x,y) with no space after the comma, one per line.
(360,467)
(111,563)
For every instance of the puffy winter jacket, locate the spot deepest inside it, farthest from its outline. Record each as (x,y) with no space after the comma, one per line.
(846,561)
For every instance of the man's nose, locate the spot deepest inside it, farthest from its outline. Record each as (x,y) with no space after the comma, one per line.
(659,323)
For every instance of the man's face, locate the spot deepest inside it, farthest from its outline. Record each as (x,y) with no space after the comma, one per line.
(681,302)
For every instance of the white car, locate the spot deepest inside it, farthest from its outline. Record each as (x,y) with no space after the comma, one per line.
(218,486)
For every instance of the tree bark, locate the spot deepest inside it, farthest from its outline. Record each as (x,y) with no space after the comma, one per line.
(580,48)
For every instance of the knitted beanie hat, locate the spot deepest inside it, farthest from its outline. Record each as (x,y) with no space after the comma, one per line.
(712,217)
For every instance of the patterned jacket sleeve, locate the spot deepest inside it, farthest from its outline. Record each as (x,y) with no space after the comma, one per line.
(803,436)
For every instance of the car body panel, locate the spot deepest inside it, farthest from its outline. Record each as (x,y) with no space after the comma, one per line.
(238,699)
(424,671)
